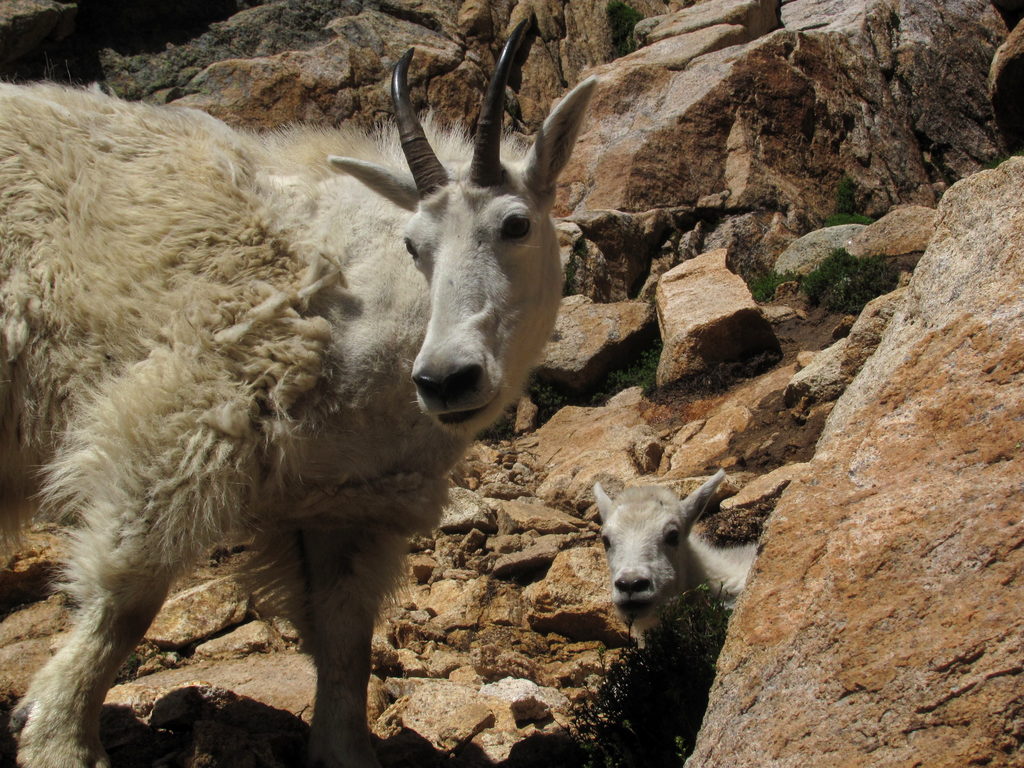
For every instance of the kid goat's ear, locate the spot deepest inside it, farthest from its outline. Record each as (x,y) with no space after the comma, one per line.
(556,138)
(693,506)
(399,189)
(604,504)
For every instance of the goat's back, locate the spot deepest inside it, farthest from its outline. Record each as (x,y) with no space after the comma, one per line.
(124,229)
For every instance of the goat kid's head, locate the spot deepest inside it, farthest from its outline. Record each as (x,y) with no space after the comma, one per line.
(645,531)
(483,237)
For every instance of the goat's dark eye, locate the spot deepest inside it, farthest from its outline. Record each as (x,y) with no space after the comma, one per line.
(607,542)
(515,227)
(672,538)
(411,248)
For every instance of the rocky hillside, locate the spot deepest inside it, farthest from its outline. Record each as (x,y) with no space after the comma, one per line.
(875,454)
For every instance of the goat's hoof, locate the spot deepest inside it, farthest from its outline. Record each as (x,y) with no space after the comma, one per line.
(42,746)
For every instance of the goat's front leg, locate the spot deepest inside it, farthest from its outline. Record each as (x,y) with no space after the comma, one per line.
(347,574)
(119,592)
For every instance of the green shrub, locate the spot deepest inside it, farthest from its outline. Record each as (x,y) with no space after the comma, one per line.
(643,372)
(548,399)
(1002,159)
(622,18)
(844,283)
(838,219)
(503,429)
(649,707)
(577,256)
(762,287)
(845,193)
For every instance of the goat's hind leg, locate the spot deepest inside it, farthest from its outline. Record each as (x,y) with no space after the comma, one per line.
(119,591)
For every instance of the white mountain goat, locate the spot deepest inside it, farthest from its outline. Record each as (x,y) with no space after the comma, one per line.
(654,554)
(205,333)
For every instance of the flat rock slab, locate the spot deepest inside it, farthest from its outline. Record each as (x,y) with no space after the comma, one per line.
(283,680)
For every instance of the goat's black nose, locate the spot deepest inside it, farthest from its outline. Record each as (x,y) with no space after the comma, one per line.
(450,386)
(631,586)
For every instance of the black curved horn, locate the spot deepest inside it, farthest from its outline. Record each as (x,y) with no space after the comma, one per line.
(486,168)
(427,171)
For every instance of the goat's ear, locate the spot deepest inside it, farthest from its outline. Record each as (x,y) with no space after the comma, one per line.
(693,506)
(395,187)
(604,503)
(556,138)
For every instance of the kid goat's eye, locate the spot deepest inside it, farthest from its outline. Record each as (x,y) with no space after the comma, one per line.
(411,248)
(607,542)
(515,227)
(672,538)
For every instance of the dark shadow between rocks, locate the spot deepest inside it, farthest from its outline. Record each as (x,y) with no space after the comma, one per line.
(204,726)
(407,749)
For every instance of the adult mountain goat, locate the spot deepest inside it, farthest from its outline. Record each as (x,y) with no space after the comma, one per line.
(206,333)
(654,554)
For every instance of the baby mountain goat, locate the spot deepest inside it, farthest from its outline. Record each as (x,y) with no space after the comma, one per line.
(654,554)
(205,333)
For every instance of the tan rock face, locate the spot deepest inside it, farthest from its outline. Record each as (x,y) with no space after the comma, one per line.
(28,637)
(198,613)
(27,575)
(516,517)
(591,339)
(886,600)
(694,449)
(446,714)
(253,637)
(303,85)
(757,17)
(573,599)
(720,111)
(707,316)
(574,35)
(580,446)
(832,369)
(612,252)
(465,511)
(688,136)
(283,680)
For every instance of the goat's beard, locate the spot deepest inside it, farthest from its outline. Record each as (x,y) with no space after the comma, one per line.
(639,618)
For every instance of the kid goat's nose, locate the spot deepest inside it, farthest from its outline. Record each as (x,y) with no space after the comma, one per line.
(632,585)
(449,386)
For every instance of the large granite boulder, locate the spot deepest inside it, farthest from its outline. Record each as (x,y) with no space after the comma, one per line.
(573,599)
(806,254)
(882,624)
(580,446)
(901,236)
(592,339)
(707,316)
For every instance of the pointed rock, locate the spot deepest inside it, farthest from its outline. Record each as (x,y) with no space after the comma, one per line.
(707,316)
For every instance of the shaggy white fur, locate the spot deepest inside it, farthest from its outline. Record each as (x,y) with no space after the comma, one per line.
(206,333)
(654,554)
